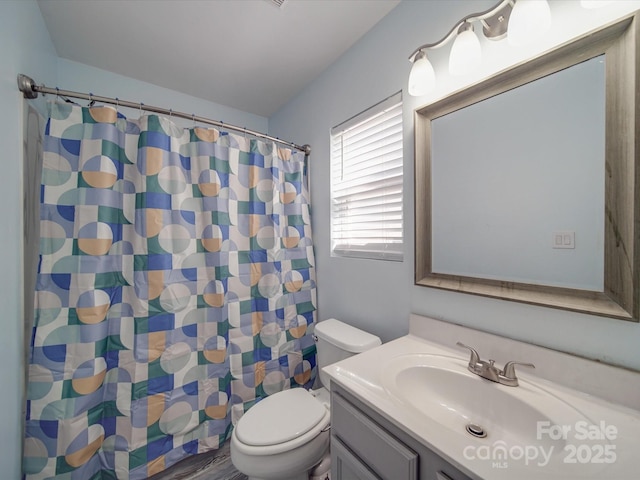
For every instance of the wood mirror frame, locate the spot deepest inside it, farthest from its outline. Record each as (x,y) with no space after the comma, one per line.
(620,298)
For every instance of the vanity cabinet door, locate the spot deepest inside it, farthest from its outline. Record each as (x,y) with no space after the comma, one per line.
(381,452)
(346,466)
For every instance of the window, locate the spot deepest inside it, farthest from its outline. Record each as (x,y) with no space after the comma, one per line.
(366,183)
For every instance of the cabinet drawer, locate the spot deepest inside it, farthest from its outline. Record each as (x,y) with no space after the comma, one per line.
(384,454)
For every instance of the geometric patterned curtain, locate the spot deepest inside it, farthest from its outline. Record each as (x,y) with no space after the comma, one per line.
(176,288)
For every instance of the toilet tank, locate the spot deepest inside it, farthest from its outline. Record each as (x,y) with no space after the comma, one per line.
(336,341)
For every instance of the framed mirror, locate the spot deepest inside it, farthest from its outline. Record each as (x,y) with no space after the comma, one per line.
(527,182)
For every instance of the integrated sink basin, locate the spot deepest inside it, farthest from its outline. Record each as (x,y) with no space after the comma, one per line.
(441,388)
(543,429)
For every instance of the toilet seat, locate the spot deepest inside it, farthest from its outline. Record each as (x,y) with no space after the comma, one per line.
(281,422)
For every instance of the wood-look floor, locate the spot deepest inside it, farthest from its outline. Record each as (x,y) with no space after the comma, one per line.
(215,465)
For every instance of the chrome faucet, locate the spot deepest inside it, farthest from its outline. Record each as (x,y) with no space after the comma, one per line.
(487,369)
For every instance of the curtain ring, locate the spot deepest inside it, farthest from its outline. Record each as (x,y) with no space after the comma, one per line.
(170,113)
(193,118)
(57,93)
(117,104)
(141,104)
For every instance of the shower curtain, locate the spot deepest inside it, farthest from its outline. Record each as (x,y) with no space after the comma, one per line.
(176,288)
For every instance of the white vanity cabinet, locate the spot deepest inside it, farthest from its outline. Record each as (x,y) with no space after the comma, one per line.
(366,446)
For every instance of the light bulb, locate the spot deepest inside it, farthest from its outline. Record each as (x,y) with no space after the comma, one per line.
(529,20)
(594,3)
(422,78)
(466,53)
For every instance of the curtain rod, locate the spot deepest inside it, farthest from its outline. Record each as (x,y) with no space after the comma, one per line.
(30,90)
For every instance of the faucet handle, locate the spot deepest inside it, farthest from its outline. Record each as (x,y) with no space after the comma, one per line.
(509,370)
(475,358)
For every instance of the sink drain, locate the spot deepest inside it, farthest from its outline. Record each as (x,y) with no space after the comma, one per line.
(476,430)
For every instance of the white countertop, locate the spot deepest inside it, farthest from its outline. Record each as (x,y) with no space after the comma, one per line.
(614,458)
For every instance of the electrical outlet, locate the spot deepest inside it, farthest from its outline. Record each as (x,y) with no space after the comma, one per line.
(564,239)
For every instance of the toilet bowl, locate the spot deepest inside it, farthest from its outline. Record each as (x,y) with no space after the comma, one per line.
(282,437)
(286,435)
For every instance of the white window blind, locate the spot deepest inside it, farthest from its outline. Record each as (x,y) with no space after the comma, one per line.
(366,183)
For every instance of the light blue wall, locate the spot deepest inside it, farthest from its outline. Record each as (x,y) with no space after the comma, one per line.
(378,295)
(84,78)
(25,47)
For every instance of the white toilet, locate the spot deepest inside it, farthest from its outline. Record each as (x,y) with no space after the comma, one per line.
(285,436)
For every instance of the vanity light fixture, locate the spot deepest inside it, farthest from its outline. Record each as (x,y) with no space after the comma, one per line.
(530,19)
(422,78)
(466,53)
(520,20)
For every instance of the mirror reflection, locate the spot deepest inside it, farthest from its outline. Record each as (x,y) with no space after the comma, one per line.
(502,195)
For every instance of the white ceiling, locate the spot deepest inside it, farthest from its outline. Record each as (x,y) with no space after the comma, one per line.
(246,54)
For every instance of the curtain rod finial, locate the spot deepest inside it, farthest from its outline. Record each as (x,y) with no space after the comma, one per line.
(25,85)
(307,149)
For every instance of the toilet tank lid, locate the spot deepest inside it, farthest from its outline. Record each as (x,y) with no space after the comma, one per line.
(345,336)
